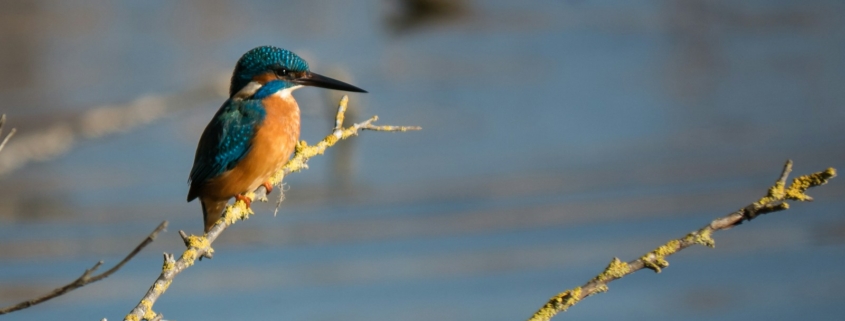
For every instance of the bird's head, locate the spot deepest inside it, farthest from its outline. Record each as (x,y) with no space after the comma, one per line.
(266,70)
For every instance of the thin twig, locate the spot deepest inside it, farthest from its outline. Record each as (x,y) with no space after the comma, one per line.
(200,246)
(775,200)
(86,277)
(9,135)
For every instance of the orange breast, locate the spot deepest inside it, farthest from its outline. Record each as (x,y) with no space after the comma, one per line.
(272,145)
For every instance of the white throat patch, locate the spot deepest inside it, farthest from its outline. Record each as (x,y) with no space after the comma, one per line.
(285,93)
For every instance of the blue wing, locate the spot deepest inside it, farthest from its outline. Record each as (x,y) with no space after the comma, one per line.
(225,141)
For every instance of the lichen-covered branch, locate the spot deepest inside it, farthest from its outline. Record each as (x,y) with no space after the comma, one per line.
(86,277)
(200,246)
(775,200)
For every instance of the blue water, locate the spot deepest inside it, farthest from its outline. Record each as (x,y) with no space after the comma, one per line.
(557,135)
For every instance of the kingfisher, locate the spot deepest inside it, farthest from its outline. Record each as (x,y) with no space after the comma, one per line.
(253,134)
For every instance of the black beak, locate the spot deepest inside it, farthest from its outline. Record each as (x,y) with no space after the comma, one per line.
(316,80)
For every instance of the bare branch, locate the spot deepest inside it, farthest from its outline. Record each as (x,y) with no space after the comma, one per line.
(102,121)
(86,277)
(774,201)
(9,135)
(200,246)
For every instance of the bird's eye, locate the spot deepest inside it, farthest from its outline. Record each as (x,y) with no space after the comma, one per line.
(281,72)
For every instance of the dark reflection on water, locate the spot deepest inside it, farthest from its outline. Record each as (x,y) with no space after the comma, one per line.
(557,135)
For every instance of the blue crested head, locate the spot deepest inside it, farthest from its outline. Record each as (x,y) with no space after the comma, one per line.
(269,69)
(263,60)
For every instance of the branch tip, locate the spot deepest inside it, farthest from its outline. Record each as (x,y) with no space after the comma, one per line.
(784,174)
(161,227)
(87,273)
(802,183)
(9,135)
(185,238)
(341,112)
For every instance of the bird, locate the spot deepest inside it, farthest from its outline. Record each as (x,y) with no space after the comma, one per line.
(255,131)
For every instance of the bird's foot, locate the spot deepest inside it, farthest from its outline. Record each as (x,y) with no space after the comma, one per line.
(268,187)
(245,199)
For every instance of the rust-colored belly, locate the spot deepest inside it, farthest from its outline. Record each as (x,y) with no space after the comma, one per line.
(272,145)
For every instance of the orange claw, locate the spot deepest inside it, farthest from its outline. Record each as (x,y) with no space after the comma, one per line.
(245,199)
(268,186)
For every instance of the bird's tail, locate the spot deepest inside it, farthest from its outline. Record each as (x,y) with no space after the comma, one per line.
(212,210)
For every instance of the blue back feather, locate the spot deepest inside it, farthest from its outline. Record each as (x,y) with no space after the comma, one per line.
(226,139)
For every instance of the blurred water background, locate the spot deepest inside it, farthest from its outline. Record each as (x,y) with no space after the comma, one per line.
(557,135)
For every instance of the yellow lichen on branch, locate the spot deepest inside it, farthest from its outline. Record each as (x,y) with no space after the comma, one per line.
(702,237)
(801,184)
(775,200)
(656,260)
(238,211)
(161,287)
(168,265)
(148,315)
(616,269)
(560,302)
